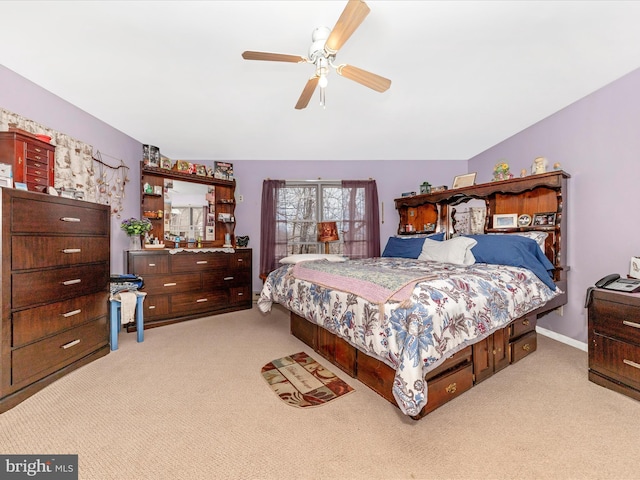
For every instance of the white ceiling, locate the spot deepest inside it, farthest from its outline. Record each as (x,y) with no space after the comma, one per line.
(465,75)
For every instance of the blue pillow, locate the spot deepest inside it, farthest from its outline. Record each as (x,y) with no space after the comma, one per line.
(403,247)
(407,247)
(515,251)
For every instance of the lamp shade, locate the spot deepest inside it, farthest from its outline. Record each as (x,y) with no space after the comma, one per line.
(328,232)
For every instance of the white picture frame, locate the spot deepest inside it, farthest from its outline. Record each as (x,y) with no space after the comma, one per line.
(466,180)
(21,186)
(505,220)
(6,182)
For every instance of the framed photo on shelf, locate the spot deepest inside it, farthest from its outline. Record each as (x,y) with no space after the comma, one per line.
(524,220)
(201,170)
(544,219)
(466,180)
(509,220)
(21,186)
(165,163)
(182,166)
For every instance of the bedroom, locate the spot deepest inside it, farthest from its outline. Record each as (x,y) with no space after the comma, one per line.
(593,138)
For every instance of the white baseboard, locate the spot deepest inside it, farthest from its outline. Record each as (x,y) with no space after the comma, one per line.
(562,338)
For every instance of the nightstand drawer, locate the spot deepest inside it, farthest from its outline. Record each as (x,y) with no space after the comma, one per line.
(615,359)
(615,320)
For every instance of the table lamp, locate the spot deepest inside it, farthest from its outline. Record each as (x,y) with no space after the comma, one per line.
(327,232)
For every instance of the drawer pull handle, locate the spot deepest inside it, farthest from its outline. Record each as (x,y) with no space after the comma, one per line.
(202,262)
(70,219)
(72,250)
(71,344)
(240,260)
(525,322)
(240,294)
(36,149)
(72,282)
(200,300)
(151,307)
(173,284)
(631,364)
(72,313)
(451,388)
(228,278)
(152,264)
(526,347)
(631,324)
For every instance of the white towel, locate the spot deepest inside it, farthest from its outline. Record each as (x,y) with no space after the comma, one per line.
(127,306)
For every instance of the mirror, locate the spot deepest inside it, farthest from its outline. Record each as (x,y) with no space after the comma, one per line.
(187,207)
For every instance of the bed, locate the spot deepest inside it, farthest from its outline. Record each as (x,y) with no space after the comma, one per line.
(441,310)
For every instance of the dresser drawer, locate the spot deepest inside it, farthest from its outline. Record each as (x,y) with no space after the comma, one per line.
(37,165)
(185,303)
(168,284)
(31,215)
(239,295)
(36,323)
(38,287)
(618,360)
(198,262)
(148,264)
(523,347)
(241,260)
(155,306)
(46,356)
(30,251)
(226,278)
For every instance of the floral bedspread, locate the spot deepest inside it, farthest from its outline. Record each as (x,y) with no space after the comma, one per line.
(457,306)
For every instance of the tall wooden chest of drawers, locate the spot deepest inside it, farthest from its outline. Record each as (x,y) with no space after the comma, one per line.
(191,283)
(32,160)
(614,341)
(55,287)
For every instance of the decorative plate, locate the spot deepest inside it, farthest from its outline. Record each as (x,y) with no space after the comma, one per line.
(524,220)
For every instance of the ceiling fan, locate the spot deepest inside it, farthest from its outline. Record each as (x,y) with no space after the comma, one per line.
(322,53)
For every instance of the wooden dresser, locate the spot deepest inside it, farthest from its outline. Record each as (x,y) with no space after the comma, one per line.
(55,286)
(191,283)
(614,341)
(32,160)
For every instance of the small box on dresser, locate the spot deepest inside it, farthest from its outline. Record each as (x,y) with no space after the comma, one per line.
(55,279)
(614,341)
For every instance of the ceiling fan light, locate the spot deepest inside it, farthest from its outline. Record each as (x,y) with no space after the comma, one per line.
(322,82)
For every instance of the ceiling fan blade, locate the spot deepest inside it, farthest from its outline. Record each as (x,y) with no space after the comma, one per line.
(309,88)
(352,16)
(273,57)
(368,79)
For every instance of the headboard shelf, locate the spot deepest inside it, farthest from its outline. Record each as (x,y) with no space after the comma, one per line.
(543,193)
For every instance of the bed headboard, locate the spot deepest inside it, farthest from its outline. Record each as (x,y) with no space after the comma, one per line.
(536,194)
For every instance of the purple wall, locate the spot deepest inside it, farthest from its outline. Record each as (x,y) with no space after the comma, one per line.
(21,96)
(597,141)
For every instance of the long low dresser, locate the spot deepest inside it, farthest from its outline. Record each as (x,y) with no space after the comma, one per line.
(191,283)
(55,286)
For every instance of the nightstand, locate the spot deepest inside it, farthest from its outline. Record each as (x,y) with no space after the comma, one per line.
(614,341)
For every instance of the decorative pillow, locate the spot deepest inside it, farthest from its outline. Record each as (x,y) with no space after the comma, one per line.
(513,250)
(409,247)
(433,236)
(304,257)
(457,250)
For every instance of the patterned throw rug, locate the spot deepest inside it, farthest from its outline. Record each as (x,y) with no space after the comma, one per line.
(300,381)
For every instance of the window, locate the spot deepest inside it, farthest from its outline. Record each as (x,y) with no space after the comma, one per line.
(301,206)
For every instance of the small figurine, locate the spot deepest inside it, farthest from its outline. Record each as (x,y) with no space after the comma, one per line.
(539,165)
(501,172)
(523,173)
(556,166)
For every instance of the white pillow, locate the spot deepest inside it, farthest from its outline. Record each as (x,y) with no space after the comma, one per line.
(457,251)
(304,257)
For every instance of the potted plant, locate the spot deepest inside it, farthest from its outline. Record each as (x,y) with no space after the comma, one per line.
(134,228)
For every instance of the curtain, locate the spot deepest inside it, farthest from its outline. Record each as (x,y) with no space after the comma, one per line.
(273,227)
(360,218)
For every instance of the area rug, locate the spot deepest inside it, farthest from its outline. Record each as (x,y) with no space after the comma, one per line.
(302,382)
